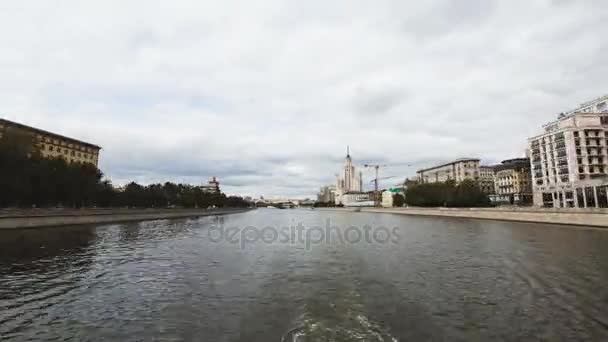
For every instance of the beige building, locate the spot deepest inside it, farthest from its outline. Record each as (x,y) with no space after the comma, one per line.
(458,170)
(513,182)
(52,145)
(569,159)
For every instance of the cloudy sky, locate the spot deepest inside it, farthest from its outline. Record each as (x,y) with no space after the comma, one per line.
(267,94)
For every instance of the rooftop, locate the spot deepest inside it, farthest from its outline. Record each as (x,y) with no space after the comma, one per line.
(43,132)
(459,160)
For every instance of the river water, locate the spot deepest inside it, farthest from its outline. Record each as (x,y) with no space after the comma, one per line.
(305,275)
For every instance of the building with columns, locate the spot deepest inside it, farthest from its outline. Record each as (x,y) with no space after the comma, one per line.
(569,160)
(348,181)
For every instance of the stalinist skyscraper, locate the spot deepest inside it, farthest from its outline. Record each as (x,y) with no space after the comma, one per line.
(348,181)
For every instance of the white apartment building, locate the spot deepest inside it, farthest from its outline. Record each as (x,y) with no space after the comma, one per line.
(458,170)
(569,159)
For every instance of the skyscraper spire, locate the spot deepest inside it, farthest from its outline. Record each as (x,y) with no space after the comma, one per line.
(347,151)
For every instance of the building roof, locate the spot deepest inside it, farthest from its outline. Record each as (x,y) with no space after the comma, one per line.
(41,131)
(460,160)
(551,127)
(515,163)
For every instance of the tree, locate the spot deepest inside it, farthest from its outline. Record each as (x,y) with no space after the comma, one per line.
(465,194)
(398,200)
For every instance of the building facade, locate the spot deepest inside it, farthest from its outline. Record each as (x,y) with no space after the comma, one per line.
(357,200)
(387,199)
(486,179)
(513,182)
(569,160)
(348,180)
(52,145)
(327,194)
(212,186)
(458,170)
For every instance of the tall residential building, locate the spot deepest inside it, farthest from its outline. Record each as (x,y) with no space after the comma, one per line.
(569,159)
(513,182)
(348,180)
(53,145)
(458,170)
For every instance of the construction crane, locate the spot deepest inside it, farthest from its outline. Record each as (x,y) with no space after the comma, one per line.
(376,167)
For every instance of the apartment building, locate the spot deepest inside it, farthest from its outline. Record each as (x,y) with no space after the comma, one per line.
(569,160)
(513,182)
(486,179)
(458,170)
(53,145)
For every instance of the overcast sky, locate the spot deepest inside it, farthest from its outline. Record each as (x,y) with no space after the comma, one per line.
(267,94)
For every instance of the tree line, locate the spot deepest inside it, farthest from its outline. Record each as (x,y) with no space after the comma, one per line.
(446,194)
(27,179)
(442,194)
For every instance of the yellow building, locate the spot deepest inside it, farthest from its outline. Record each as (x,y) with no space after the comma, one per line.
(52,145)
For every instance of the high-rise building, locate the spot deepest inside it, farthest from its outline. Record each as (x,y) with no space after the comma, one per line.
(569,159)
(53,145)
(348,180)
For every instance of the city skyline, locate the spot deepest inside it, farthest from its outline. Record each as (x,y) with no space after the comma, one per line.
(266,97)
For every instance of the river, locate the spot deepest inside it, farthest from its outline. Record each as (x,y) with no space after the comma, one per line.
(305,275)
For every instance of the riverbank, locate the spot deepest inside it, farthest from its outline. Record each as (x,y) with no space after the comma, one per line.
(47,218)
(578,217)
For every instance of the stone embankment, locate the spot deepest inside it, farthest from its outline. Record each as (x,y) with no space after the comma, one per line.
(565,216)
(35,218)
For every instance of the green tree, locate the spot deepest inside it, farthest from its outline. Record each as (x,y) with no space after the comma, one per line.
(398,200)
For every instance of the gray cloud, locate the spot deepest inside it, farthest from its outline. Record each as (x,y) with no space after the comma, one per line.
(268,96)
